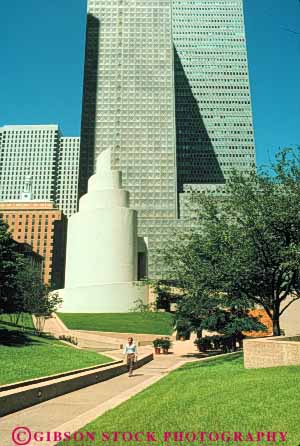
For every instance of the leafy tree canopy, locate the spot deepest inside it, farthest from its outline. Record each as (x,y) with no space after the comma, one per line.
(21,287)
(243,248)
(10,263)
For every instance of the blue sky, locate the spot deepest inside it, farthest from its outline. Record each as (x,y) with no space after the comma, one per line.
(42,53)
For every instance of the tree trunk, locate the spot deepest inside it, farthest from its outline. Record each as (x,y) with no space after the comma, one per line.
(18,318)
(276,326)
(40,323)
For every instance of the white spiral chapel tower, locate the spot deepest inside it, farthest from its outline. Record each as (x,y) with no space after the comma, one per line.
(101,262)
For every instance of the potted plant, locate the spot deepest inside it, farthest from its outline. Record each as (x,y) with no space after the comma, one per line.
(165,344)
(157,344)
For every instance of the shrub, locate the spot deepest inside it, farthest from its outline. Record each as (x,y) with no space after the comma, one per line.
(70,339)
(203,344)
(228,344)
(216,342)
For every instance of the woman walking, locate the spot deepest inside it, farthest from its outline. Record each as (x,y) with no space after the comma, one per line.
(130,350)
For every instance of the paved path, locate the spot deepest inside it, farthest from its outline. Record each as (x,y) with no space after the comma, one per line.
(122,337)
(110,341)
(72,411)
(95,340)
(87,340)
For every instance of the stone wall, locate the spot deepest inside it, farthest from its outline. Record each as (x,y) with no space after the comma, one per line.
(271,352)
(14,398)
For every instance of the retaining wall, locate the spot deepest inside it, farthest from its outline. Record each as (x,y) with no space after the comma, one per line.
(12,400)
(271,352)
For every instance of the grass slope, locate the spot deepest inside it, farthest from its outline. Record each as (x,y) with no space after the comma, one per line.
(23,355)
(25,320)
(214,396)
(150,323)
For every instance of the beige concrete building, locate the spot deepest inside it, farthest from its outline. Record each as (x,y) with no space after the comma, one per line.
(290,319)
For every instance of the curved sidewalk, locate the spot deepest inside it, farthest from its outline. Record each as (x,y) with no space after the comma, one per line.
(100,341)
(72,411)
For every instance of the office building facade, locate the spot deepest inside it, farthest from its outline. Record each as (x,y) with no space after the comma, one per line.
(39,152)
(67,177)
(43,226)
(133,111)
(214,126)
(166,88)
(29,150)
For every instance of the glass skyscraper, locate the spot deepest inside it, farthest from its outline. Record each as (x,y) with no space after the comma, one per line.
(50,160)
(29,150)
(67,181)
(213,108)
(166,88)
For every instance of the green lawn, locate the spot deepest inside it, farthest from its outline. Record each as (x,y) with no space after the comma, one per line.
(214,396)
(150,323)
(23,355)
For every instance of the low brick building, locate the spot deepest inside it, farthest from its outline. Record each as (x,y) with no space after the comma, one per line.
(43,226)
(35,259)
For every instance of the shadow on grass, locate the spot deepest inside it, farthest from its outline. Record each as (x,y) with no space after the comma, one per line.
(18,338)
(202,355)
(11,324)
(211,362)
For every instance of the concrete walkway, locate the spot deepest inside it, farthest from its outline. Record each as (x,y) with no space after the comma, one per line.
(94,340)
(110,342)
(70,412)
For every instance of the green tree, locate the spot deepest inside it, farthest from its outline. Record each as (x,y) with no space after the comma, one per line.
(164,292)
(214,311)
(43,308)
(21,287)
(245,244)
(37,298)
(10,263)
